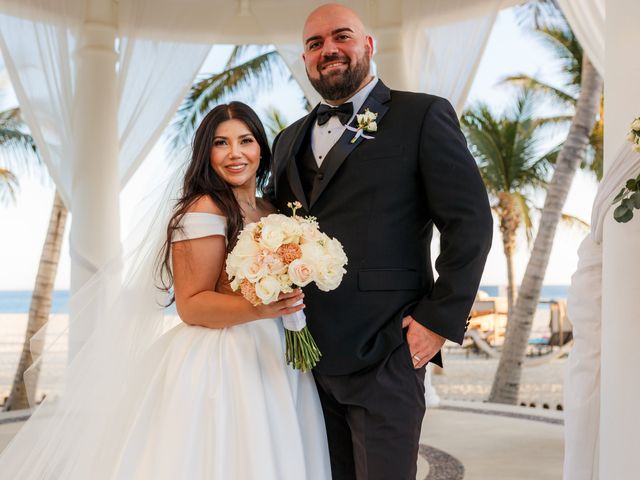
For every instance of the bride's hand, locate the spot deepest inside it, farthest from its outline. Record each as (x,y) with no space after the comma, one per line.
(285,304)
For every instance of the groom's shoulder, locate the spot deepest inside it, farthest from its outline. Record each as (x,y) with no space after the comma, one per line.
(419,100)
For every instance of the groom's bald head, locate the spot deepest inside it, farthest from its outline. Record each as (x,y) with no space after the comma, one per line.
(332,14)
(337,51)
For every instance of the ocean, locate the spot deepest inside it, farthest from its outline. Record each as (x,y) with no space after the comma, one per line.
(17,301)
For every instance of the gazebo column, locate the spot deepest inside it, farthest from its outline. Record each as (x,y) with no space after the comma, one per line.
(389,57)
(95,227)
(619,419)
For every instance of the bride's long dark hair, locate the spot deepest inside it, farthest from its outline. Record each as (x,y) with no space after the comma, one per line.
(201,179)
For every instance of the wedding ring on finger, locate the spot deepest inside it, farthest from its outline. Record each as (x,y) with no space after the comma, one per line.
(416,358)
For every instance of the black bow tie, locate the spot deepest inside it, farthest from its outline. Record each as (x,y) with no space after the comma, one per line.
(344,112)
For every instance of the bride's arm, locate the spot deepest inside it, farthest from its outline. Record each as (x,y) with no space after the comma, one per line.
(197,266)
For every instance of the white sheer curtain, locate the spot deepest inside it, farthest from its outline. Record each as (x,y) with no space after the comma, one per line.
(587,20)
(443,44)
(38,48)
(582,382)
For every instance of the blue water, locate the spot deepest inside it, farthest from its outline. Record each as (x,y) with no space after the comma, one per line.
(12,301)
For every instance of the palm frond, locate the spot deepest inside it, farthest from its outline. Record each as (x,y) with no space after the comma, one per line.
(8,186)
(274,123)
(546,90)
(567,49)
(537,13)
(252,75)
(18,148)
(525,215)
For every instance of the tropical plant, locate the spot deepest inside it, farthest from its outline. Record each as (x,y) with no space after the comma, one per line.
(573,153)
(21,155)
(18,151)
(249,70)
(513,167)
(559,38)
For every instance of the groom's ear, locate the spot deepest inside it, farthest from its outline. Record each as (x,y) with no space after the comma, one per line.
(370,44)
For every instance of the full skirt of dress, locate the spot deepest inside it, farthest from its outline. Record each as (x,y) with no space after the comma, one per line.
(205,403)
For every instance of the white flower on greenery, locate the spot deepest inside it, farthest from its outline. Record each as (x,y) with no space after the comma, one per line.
(367,120)
(301,272)
(268,289)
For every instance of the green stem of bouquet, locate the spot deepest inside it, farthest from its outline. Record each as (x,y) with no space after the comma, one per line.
(302,353)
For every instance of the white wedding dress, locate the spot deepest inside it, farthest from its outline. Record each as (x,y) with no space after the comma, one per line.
(205,403)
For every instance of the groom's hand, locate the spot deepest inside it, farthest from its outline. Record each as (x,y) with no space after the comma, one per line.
(423,343)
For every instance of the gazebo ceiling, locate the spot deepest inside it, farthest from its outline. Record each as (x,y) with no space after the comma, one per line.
(258,21)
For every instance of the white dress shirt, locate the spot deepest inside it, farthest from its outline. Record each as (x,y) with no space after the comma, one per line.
(323,137)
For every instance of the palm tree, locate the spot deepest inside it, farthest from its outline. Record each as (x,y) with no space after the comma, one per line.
(17,146)
(240,75)
(508,153)
(563,42)
(573,153)
(22,151)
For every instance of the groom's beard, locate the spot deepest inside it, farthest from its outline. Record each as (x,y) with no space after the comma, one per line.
(338,86)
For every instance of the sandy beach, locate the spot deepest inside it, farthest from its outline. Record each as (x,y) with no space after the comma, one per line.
(465,377)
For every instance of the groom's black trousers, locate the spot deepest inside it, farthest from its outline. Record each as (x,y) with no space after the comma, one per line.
(373,419)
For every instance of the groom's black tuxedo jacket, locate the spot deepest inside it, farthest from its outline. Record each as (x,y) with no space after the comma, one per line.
(380,198)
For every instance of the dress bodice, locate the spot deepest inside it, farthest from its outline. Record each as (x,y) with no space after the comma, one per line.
(200,224)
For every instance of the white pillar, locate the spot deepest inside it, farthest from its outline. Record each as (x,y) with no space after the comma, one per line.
(389,57)
(620,382)
(95,227)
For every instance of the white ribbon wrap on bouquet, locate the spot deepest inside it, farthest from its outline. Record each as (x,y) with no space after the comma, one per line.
(295,321)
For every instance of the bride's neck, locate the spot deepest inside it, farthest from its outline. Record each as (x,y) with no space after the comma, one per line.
(246,197)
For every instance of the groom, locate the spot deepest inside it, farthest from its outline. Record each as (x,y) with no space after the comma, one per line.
(380,191)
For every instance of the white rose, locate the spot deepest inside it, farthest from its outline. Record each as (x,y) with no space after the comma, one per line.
(309,232)
(328,276)
(334,250)
(272,236)
(235,284)
(313,253)
(268,289)
(300,272)
(372,127)
(253,270)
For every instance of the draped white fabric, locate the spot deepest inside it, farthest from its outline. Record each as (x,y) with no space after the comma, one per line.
(443,50)
(153,75)
(36,48)
(587,20)
(582,383)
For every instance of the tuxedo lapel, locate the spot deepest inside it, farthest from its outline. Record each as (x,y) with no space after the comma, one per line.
(293,175)
(375,102)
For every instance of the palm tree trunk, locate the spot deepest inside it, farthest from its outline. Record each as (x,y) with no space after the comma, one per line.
(40,301)
(509,223)
(506,383)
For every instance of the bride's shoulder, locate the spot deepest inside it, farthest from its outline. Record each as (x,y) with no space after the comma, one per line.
(204,204)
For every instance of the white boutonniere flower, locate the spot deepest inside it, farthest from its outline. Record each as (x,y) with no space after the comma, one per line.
(366,122)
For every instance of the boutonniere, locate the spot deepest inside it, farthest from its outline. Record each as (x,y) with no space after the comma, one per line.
(366,123)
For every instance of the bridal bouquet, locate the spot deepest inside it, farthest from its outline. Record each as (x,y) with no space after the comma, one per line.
(274,256)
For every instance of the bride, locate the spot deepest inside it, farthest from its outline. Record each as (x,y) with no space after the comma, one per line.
(212,397)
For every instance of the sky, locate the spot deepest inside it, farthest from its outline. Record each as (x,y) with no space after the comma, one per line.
(510,50)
